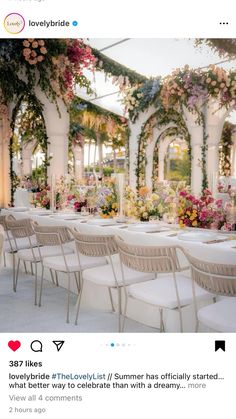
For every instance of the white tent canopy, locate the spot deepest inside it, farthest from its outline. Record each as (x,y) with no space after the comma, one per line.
(150,57)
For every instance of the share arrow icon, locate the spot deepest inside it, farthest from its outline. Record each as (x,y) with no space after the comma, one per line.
(58,344)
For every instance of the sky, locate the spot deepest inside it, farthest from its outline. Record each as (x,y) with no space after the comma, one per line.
(150,57)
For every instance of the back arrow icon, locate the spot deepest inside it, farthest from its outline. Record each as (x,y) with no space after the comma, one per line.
(58,344)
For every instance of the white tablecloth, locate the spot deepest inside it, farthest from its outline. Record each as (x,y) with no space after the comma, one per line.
(96,297)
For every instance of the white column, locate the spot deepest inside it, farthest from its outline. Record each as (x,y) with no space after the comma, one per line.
(163,147)
(57,132)
(196,133)
(215,118)
(27,152)
(78,153)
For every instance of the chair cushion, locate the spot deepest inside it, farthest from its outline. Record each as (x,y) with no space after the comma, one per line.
(221,316)
(161,291)
(21,244)
(45,251)
(104,275)
(58,263)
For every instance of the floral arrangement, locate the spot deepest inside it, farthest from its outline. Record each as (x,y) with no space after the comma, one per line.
(225,149)
(143,205)
(107,200)
(76,201)
(189,87)
(203,212)
(41,199)
(137,98)
(70,194)
(55,64)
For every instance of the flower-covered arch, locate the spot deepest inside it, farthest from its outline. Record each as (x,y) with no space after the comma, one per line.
(203,99)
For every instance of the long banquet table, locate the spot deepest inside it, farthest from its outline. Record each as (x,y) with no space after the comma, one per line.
(95,297)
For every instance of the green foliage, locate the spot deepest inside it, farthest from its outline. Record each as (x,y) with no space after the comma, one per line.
(112,67)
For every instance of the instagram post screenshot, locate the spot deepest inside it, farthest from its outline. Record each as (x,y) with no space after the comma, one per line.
(117,209)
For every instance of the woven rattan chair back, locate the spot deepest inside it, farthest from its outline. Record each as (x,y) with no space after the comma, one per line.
(95,245)
(20,228)
(216,278)
(151,259)
(4,219)
(52,235)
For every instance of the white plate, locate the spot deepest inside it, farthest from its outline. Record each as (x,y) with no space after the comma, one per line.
(66,216)
(18,209)
(102,221)
(40,212)
(197,236)
(145,227)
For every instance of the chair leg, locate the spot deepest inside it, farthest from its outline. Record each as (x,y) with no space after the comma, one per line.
(25,267)
(4,260)
(197,326)
(124,314)
(51,273)
(31,268)
(161,320)
(14,271)
(17,273)
(181,320)
(119,308)
(79,301)
(56,276)
(77,283)
(111,300)
(36,284)
(68,300)
(41,287)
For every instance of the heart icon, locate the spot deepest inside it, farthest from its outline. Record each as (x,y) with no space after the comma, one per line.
(14,345)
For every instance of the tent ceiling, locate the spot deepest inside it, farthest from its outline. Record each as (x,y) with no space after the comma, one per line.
(151,57)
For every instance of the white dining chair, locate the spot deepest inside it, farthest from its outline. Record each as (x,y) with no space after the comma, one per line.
(16,242)
(66,262)
(171,288)
(108,276)
(220,280)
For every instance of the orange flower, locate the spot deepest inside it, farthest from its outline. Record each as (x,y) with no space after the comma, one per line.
(41,42)
(33,54)
(143,191)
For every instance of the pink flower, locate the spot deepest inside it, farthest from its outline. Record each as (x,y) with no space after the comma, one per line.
(70,197)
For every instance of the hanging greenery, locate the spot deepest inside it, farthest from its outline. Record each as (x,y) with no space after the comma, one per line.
(56,65)
(225,149)
(204,149)
(225,47)
(28,126)
(124,76)
(89,120)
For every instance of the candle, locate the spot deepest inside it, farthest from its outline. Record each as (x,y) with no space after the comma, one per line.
(121,185)
(52,200)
